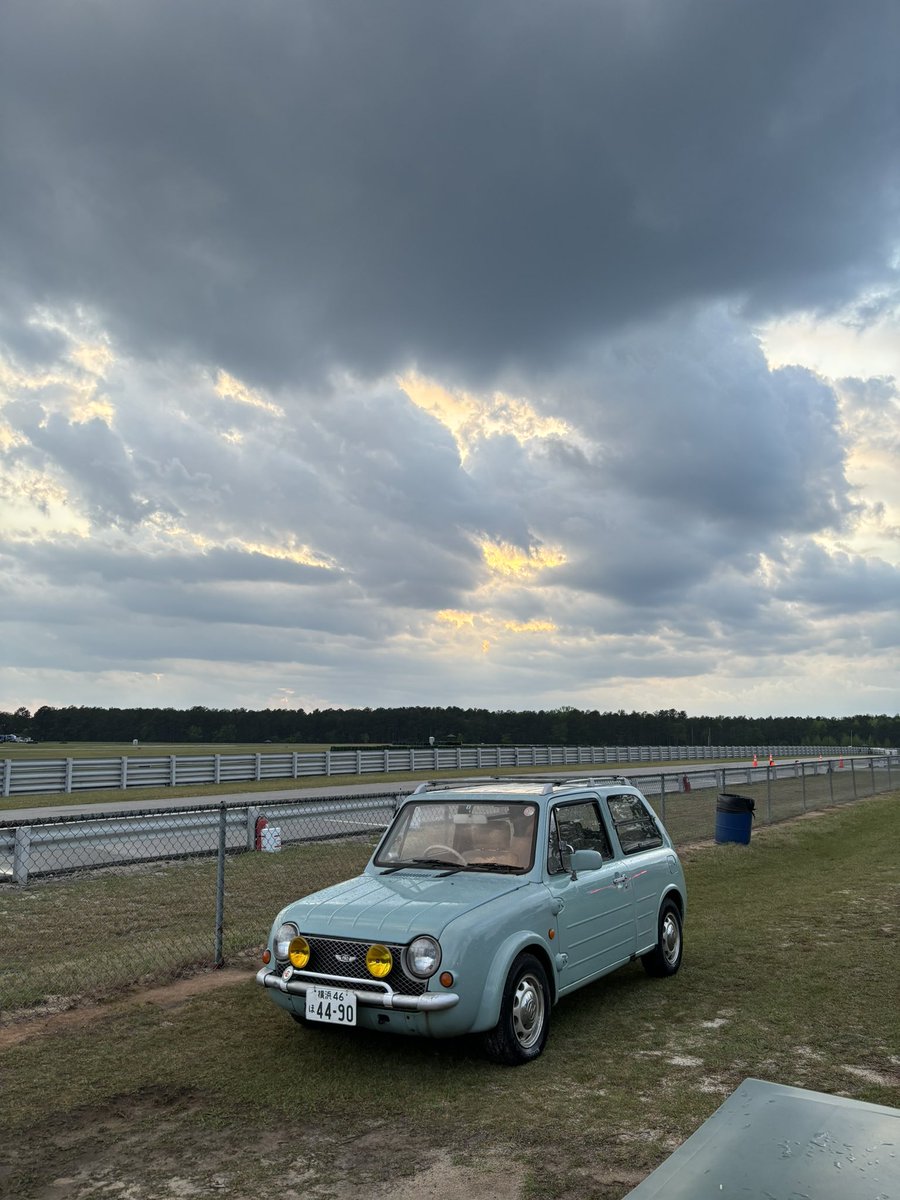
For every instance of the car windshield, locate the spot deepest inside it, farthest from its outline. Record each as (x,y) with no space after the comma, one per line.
(461,836)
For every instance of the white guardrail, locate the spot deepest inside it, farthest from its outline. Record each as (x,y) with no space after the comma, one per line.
(35,847)
(22,777)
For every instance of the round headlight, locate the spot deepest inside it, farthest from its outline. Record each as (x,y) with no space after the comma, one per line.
(423,957)
(379,961)
(283,937)
(298,952)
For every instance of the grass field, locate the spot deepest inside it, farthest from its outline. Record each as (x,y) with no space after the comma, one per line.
(790,974)
(32,751)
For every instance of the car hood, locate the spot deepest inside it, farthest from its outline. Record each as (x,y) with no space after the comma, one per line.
(395,908)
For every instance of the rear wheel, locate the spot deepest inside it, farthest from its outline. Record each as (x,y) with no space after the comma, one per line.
(665,957)
(521,1033)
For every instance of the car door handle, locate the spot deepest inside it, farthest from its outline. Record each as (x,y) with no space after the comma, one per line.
(620,880)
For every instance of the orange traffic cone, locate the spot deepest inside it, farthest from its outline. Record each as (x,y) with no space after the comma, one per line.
(840,763)
(771,761)
(755,763)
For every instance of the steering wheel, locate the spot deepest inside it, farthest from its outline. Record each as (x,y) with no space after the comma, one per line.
(455,856)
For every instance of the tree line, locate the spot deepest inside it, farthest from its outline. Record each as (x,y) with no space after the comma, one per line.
(415,726)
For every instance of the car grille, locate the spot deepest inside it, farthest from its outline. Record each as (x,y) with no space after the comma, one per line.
(325,959)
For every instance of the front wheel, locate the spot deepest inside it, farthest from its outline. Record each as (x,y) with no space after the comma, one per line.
(665,957)
(521,1033)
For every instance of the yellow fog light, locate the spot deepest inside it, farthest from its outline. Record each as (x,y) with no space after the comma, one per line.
(379,961)
(298,952)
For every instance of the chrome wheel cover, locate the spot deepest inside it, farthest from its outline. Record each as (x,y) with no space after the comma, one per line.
(528,1011)
(670,939)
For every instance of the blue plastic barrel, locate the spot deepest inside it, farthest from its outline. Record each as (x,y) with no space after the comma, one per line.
(734,817)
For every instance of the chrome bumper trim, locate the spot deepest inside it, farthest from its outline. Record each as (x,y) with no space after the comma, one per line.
(428,1002)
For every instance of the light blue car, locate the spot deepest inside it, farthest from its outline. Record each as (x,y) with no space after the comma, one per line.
(483,904)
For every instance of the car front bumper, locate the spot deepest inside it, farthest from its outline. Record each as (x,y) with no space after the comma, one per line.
(297,984)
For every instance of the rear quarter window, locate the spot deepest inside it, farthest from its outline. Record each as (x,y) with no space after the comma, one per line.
(635,824)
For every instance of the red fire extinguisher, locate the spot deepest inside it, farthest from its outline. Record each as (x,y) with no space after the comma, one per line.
(261,824)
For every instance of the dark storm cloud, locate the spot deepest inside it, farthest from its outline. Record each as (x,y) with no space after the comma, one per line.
(93,563)
(842,584)
(283,186)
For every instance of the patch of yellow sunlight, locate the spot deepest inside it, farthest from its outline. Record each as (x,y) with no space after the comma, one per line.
(513,562)
(471,418)
(36,504)
(76,394)
(233,389)
(289,551)
(100,407)
(485,646)
(530,626)
(9,437)
(452,616)
(94,357)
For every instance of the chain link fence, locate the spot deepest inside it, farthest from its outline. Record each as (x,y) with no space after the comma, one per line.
(91,906)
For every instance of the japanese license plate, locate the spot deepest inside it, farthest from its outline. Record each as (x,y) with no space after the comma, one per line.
(333,1005)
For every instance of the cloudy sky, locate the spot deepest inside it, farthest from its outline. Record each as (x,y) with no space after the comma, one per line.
(496,352)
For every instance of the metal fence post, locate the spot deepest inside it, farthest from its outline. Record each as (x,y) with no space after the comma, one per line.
(831,780)
(803,784)
(7,776)
(853,775)
(768,795)
(662,795)
(872,773)
(220,888)
(68,775)
(252,814)
(22,854)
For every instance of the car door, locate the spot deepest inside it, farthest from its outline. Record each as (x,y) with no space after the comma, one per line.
(644,860)
(595,915)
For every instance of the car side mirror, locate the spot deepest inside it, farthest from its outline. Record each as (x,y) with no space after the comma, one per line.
(586,860)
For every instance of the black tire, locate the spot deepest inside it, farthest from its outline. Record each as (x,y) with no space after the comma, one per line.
(665,957)
(521,1033)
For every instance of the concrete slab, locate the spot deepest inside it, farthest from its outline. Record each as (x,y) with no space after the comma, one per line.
(772,1142)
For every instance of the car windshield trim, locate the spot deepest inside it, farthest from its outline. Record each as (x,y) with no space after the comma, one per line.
(450,868)
(505,868)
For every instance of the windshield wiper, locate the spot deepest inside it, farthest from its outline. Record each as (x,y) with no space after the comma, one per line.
(506,868)
(452,868)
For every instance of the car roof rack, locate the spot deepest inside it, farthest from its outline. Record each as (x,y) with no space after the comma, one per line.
(550,782)
(593,780)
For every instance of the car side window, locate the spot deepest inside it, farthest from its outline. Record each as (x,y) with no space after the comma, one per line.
(635,824)
(579,826)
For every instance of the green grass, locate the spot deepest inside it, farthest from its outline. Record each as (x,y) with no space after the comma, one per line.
(39,751)
(789,974)
(87,937)
(154,922)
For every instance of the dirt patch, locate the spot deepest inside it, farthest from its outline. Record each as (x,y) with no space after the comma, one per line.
(138,1152)
(170,995)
